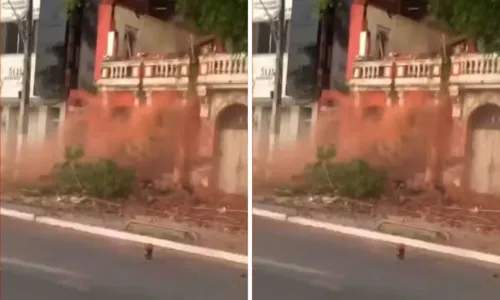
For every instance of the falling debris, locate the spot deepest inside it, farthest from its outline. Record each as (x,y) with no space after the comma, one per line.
(148,252)
(401,252)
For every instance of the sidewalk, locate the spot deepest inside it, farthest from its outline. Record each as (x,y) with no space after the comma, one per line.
(412,232)
(145,229)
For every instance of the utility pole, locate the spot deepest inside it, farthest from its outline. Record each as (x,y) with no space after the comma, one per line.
(23,118)
(278,82)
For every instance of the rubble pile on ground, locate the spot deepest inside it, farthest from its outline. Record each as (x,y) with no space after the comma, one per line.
(408,198)
(448,204)
(198,205)
(160,198)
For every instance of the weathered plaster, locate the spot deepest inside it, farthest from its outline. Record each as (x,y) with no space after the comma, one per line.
(474,100)
(223,99)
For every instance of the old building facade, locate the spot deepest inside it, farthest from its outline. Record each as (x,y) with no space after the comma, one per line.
(140,64)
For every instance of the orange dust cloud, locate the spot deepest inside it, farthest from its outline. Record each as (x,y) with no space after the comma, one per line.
(396,138)
(144,138)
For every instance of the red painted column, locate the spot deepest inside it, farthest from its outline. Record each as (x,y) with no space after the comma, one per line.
(104,25)
(356,26)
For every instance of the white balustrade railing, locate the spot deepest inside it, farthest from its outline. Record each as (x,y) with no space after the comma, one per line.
(220,64)
(478,64)
(118,69)
(377,73)
(372,69)
(467,69)
(419,68)
(166,68)
(214,69)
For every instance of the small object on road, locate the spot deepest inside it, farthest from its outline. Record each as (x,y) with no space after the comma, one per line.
(401,252)
(495,275)
(243,275)
(148,252)
(222,210)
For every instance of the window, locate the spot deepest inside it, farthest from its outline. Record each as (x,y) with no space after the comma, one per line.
(381,42)
(264,41)
(12,40)
(130,39)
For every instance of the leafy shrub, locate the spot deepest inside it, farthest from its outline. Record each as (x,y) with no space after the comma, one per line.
(102,179)
(353,179)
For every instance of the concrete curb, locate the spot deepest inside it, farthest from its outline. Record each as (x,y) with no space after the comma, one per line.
(269,214)
(131,237)
(378,236)
(17,214)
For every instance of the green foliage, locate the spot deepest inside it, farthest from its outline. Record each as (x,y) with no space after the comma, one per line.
(101,179)
(226,19)
(338,4)
(323,4)
(478,19)
(353,179)
(72,5)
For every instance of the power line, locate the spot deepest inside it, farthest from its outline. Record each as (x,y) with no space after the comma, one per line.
(18,18)
(23,119)
(278,83)
(271,18)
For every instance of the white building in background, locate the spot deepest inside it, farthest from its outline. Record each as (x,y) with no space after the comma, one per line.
(45,115)
(63,59)
(297,114)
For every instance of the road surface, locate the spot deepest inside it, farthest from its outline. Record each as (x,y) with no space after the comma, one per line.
(297,263)
(55,264)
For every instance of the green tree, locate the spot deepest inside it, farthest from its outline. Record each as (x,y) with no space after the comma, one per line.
(477,19)
(225,19)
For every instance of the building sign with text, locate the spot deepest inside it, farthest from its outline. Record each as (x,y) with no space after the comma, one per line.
(12,76)
(263,74)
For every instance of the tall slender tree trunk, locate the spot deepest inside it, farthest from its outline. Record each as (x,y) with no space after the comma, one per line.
(443,124)
(190,122)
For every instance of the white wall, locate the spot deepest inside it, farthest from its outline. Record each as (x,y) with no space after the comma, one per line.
(37,125)
(264,65)
(154,36)
(12,74)
(9,10)
(263,8)
(264,68)
(406,36)
(291,121)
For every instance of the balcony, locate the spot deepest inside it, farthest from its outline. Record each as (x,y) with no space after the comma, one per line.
(471,71)
(218,71)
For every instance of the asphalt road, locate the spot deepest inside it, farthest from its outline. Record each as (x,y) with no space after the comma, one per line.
(55,264)
(297,263)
